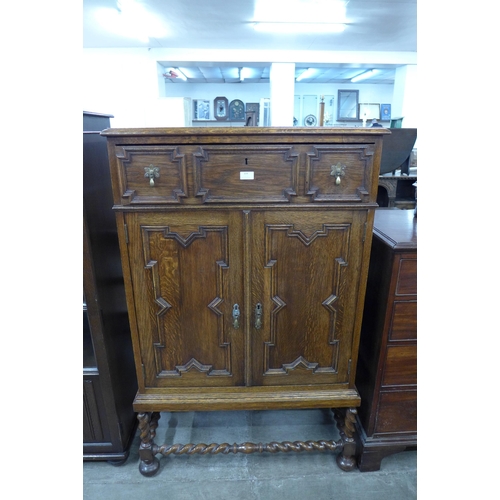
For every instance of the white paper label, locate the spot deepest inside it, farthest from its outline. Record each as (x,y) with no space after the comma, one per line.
(246,176)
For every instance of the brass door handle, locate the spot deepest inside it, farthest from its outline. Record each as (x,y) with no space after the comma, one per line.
(236,316)
(258,316)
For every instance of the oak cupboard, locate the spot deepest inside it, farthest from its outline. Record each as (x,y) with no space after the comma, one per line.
(245,255)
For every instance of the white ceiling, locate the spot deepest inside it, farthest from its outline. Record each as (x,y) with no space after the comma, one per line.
(374,26)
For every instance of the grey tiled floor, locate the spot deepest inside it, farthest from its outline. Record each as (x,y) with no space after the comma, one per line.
(257,476)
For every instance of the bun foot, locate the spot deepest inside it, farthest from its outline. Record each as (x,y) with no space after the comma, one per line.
(346,463)
(149,469)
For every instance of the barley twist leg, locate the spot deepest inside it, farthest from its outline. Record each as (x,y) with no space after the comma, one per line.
(149,464)
(346,460)
(153,424)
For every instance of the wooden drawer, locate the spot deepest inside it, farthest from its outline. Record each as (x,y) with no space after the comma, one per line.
(339,172)
(397,412)
(407,277)
(404,321)
(400,366)
(168,171)
(226,173)
(259,173)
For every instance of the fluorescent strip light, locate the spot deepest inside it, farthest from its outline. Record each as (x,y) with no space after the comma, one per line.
(363,76)
(300,27)
(180,74)
(245,73)
(306,74)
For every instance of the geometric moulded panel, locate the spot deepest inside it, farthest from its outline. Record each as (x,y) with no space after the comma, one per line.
(339,173)
(250,174)
(151,174)
(175,316)
(312,309)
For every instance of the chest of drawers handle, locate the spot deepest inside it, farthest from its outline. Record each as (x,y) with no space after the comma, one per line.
(151,173)
(338,171)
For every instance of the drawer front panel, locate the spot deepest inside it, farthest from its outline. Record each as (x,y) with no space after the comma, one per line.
(407,277)
(404,321)
(400,366)
(151,174)
(264,173)
(397,412)
(339,173)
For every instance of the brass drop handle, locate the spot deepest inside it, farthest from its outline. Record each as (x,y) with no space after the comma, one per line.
(236,316)
(338,171)
(258,316)
(151,173)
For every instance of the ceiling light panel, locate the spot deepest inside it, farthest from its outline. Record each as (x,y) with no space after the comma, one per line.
(247,73)
(294,28)
(211,74)
(230,75)
(301,11)
(260,74)
(131,19)
(192,72)
(306,74)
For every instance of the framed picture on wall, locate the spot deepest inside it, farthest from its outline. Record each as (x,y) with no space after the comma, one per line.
(385,112)
(368,111)
(221,108)
(237,110)
(253,107)
(201,109)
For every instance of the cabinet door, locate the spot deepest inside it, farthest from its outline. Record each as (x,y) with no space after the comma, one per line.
(305,267)
(186,278)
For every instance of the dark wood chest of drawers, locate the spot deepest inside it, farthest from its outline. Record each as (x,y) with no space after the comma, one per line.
(245,255)
(387,367)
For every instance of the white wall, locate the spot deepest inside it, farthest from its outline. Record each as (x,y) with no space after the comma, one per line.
(121,83)
(405,96)
(282,83)
(127,83)
(247,92)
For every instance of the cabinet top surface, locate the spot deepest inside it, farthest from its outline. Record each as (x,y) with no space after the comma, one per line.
(397,228)
(244,131)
